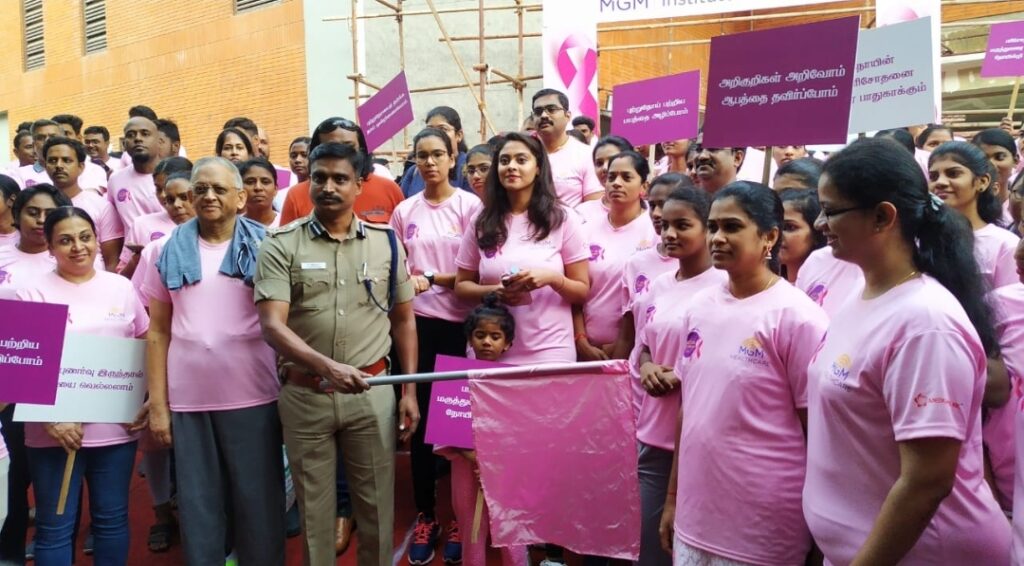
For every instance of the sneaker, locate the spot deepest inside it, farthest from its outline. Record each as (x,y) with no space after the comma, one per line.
(90,544)
(424,540)
(453,546)
(30,550)
(551,562)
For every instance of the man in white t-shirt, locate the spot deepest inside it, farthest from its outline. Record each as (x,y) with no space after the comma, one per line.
(572,164)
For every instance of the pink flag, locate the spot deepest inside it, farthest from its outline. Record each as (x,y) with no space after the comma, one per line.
(558,459)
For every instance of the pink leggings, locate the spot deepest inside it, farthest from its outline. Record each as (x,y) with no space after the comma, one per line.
(464,492)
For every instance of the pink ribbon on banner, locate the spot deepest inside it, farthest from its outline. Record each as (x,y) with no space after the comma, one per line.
(577,80)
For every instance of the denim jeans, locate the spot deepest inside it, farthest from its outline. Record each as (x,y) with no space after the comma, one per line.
(108,471)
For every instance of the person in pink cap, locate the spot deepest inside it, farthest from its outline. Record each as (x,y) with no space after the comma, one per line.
(684,239)
(101,304)
(895,469)
(431,225)
(735,492)
(613,238)
(571,167)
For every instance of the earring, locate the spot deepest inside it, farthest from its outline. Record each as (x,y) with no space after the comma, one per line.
(767,254)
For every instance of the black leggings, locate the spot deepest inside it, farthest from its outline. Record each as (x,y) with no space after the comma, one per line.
(435,337)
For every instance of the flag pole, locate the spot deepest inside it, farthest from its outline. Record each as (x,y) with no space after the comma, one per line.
(65,484)
(1013,100)
(767,165)
(478,514)
(616,367)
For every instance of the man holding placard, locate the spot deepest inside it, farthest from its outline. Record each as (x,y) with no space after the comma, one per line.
(212,379)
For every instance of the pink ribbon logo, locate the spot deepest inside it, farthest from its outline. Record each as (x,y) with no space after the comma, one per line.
(577,80)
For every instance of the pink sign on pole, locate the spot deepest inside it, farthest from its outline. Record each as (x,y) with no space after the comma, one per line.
(1005,54)
(450,418)
(760,95)
(31,345)
(657,110)
(386,113)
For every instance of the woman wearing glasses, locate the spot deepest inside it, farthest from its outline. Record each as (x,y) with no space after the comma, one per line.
(431,224)
(448,121)
(379,195)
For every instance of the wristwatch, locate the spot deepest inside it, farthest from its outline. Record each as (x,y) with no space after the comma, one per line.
(430,277)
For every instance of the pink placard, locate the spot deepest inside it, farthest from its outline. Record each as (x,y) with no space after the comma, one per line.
(657,110)
(1005,54)
(760,94)
(450,419)
(31,344)
(385,114)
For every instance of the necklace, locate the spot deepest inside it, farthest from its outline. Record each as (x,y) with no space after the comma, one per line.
(905,279)
(771,280)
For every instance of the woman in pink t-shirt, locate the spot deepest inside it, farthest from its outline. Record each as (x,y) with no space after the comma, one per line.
(613,238)
(478,164)
(684,238)
(604,150)
(259,178)
(528,248)
(23,263)
(894,466)
(431,225)
(8,231)
(1002,153)
(734,496)
(103,304)
(799,238)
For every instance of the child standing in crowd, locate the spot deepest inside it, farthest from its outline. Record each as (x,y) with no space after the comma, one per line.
(490,331)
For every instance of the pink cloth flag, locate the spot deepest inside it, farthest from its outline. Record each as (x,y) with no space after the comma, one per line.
(557,458)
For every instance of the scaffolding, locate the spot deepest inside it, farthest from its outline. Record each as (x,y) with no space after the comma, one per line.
(477,88)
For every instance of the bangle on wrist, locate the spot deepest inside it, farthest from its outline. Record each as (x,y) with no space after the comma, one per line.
(580,336)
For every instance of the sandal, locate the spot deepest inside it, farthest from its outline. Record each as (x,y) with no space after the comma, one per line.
(161,537)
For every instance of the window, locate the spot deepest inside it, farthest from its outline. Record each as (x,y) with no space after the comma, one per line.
(32,20)
(249,5)
(94,21)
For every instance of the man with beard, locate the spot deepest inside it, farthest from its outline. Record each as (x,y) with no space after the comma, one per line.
(715,168)
(65,160)
(333,292)
(572,165)
(132,191)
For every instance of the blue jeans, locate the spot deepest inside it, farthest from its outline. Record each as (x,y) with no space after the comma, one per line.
(108,471)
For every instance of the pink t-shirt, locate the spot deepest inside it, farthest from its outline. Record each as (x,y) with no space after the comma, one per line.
(105,305)
(993,248)
(10,240)
(108,223)
(640,272)
(217,359)
(147,262)
(742,452)
(19,269)
(1007,218)
(902,366)
(662,335)
(592,211)
(133,194)
(610,248)
(1009,303)
(999,428)
(432,234)
(543,327)
(93,177)
(572,168)
(145,229)
(828,281)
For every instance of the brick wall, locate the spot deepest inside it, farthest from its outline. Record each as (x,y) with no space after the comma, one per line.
(193,61)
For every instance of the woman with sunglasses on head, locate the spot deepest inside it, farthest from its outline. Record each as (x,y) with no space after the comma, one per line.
(106,452)
(897,385)
(734,496)
(431,225)
(448,121)
(380,195)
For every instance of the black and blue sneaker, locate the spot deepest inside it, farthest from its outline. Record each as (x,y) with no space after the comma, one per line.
(453,546)
(424,540)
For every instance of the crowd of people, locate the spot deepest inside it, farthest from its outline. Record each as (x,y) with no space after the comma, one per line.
(824,369)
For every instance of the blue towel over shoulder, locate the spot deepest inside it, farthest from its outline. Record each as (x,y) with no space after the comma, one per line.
(179,263)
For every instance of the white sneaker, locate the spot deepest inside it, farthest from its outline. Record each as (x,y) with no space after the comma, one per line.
(550,562)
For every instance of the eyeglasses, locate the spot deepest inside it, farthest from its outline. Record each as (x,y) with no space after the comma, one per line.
(437,156)
(830,214)
(551,109)
(482,170)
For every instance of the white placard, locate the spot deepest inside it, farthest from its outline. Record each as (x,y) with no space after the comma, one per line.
(894,82)
(102,380)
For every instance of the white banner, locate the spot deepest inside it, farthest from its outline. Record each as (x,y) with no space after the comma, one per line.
(898,11)
(102,380)
(629,10)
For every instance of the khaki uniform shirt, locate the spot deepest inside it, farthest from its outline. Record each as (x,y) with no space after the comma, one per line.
(323,280)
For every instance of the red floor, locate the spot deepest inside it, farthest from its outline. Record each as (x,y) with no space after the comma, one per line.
(141,517)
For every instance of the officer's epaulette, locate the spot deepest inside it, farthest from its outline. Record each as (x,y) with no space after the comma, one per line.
(374,226)
(289,227)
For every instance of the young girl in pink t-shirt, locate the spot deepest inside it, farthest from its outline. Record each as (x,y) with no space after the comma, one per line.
(529,249)
(735,492)
(613,238)
(895,465)
(490,331)
(684,239)
(103,304)
(431,225)
(24,263)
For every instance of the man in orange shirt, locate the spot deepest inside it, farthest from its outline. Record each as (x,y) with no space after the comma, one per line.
(380,196)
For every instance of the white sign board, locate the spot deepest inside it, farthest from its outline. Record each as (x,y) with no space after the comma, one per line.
(629,10)
(893,85)
(102,380)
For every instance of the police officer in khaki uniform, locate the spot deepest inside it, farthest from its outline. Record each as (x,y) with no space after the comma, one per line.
(332,292)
